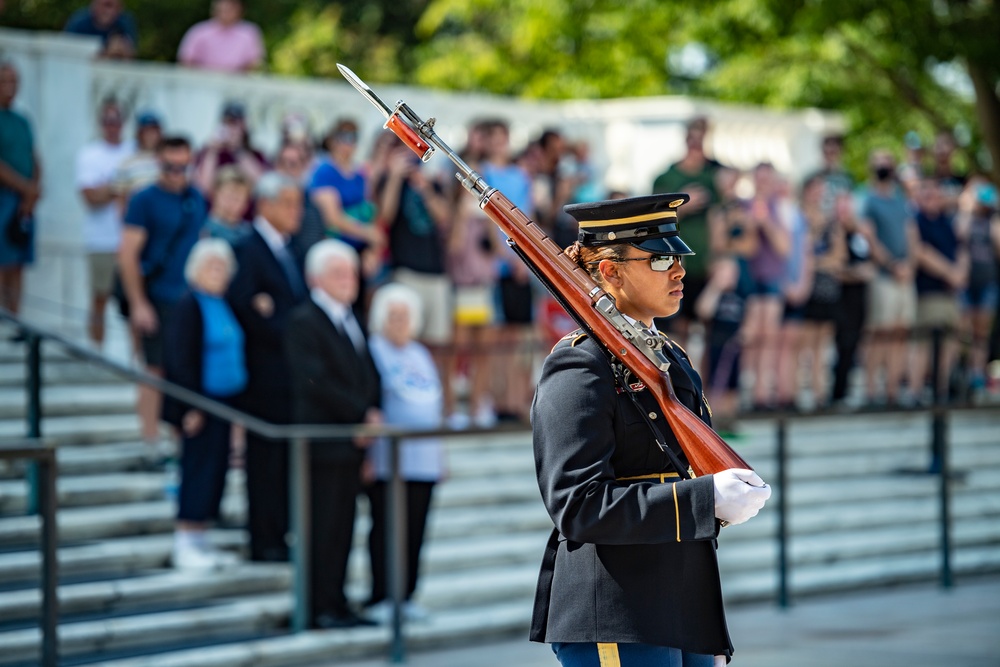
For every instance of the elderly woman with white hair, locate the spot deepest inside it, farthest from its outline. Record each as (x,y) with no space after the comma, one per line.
(411,398)
(205,355)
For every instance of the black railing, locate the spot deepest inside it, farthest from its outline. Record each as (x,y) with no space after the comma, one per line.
(300,437)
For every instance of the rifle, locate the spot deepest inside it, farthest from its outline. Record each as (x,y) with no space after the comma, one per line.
(637,347)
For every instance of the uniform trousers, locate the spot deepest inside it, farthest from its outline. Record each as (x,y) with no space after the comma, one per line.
(203,465)
(267,497)
(418,504)
(333,504)
(627,655)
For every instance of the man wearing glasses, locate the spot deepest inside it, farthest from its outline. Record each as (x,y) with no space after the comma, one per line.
(162,224)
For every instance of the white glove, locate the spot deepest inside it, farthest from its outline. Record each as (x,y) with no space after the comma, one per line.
(739,494)
(720,661)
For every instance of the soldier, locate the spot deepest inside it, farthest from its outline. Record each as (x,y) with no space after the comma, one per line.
(630,575)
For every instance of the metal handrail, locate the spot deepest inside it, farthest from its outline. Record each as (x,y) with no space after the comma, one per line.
(299,436)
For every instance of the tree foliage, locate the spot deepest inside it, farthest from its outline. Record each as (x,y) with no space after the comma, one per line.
(879,63)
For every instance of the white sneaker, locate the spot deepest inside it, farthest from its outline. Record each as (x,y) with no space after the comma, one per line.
(380,612)
(485,418)
(458,421)
(201,559)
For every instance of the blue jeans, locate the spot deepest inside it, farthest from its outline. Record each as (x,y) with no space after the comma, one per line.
(628,655)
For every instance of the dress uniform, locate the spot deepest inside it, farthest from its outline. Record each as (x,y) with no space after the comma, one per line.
(630,574)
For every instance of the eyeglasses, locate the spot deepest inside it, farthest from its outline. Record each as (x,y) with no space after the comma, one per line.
(656,262)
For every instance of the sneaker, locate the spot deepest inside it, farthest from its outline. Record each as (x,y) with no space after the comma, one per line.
(380,612)
(458,421)
(193,558)
(485,418)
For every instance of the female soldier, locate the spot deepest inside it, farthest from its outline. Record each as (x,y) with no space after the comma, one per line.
(630,575)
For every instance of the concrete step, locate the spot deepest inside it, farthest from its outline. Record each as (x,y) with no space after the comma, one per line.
(252,614)
(444,628)
(150,590)
(72,400)
(79,429)
(89,490)
(122,556)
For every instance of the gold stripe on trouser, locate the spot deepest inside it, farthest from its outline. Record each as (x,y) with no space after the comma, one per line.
(608,655)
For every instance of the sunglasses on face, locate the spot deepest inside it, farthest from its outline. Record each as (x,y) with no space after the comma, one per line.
(656,262)
(173,168)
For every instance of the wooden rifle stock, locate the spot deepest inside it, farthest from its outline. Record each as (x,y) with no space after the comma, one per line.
(705,450)
(570,285)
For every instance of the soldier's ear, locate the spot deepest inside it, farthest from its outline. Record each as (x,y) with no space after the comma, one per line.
(610,272)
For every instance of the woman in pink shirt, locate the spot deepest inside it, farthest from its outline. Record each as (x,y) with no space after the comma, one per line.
(225,42)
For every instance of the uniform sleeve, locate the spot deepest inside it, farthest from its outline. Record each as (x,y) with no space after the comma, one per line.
(574,439)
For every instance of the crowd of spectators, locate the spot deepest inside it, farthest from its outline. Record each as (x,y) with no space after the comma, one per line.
(259,280)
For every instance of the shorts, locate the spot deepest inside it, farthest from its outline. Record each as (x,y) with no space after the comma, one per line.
(767,288)
(152,345)
(816,311)
(436,297)
(891,303)
(102,272)
(937,310)
(473,305)
(981,297)
(792,313)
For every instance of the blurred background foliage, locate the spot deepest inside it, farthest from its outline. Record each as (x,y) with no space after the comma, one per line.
(890,66)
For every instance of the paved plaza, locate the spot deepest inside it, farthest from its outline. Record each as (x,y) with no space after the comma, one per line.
(910,626)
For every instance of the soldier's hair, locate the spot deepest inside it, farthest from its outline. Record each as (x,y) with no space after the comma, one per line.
(587,257)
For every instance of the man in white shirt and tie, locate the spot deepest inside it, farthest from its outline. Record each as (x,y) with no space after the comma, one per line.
(333,381)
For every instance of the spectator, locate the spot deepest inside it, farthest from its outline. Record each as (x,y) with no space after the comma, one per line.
(516,335)
(333,380)
(979,230)
(108,20)
(225,42)
(292,161)
(893,303)
(141,168)
(911,171)
(474,249)
(796,285)
(295,132)
(229,145)
(694,175)
(206,356)
(553,188)
(411,398)
(853,307)
(832,173)
(20,177)
(339,190)
(162,224)
(267,285)
(97,167)
(950,181)
(768,267)
(829,254)
(419,218)
(723,301)
(942,270)
(230,198)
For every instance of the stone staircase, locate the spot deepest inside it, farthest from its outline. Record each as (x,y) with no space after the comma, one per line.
(855,521)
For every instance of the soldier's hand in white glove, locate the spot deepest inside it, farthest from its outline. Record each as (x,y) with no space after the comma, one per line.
(739,494)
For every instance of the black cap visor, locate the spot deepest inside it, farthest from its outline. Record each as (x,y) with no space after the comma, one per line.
(665,245)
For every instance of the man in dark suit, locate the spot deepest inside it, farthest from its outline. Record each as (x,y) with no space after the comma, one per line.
(333,381)
(267,285)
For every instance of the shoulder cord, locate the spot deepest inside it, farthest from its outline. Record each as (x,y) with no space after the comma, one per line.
(661,442)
